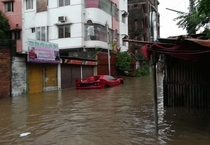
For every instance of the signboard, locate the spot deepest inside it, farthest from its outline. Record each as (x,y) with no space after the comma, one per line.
(43,52)
(79,62)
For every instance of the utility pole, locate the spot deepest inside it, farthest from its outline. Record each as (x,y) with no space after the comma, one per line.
(191,10)
(191,7)
(148,20)
(108,41)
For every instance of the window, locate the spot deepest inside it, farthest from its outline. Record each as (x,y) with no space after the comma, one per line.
(64,31)
(64,3)
(116,13)
(92,3)
(123,18)
(17,35)
(29,4)
(95,32)
(41,33)
(9,7)
(124,43)
(105,5)
(32,30)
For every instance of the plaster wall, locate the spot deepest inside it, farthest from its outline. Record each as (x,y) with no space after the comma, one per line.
(19,82)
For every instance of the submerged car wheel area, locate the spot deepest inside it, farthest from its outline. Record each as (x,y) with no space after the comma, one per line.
(98,82)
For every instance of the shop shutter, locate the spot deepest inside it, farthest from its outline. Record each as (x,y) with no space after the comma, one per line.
(87,71)
(35,78)
(65,76)
(50,75)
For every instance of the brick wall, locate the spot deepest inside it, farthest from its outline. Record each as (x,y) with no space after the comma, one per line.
(5,72)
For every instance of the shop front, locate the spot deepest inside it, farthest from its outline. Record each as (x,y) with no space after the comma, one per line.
(42,66)
(72,69)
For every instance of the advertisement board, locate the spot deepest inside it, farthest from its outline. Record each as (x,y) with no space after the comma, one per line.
(79,62)
(43,52)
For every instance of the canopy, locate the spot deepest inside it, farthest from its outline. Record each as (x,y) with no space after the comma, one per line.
(187,48)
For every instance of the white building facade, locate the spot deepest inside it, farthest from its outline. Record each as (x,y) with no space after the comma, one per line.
(78,27)
(65,22)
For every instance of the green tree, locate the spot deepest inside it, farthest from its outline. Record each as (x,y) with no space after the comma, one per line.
(144,65)
(197,19)
(123,63)
(4,26)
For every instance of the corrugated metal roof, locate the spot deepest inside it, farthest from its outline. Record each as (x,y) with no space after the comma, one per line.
(205,43)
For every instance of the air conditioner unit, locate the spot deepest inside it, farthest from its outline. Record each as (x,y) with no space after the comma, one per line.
(62,19)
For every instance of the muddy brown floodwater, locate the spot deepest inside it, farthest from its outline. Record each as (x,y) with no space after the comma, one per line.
(122,115)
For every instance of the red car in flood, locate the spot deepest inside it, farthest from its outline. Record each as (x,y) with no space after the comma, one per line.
(98,82)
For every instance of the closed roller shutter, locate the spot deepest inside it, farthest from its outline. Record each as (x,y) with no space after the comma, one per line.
(35,83)
(50,75)
(87,71)
(76,74)
(65,76)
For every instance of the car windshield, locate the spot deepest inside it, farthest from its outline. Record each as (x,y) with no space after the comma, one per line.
(110,78)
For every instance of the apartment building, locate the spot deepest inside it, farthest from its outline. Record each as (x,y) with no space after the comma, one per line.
(69,29)
(143,21)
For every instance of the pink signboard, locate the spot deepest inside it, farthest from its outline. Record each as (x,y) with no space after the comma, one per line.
(43,52)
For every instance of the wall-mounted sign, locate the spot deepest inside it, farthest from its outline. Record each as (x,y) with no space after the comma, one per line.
(79,62)
(43,52)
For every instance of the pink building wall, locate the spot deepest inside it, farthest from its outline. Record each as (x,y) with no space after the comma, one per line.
(115,23)
(15,19)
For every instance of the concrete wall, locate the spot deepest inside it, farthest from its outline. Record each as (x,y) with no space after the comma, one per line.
(123,6)
(19,82)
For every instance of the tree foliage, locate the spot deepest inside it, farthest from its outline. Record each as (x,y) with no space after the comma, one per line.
(4,26)
(144,65)
(196,20)
(123,63)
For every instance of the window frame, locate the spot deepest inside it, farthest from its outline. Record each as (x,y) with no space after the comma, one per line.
(29,4)
(17,35)
(7,5)
(41,33)
(62,3)
(62,31)
(124,18)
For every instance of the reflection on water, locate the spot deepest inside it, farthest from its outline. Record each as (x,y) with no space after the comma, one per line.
(122,115)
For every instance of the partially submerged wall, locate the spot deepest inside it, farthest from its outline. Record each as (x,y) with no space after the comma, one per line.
(19,82)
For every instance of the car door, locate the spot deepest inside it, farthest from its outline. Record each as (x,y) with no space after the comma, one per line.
(112,81)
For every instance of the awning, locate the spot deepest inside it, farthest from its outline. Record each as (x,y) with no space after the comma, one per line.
(183,48)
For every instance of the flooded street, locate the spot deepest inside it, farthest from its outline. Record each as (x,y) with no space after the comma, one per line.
(122,115)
